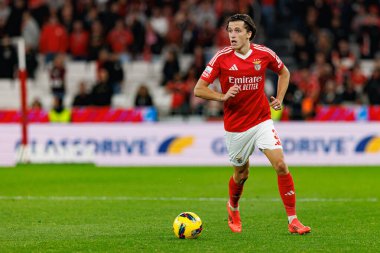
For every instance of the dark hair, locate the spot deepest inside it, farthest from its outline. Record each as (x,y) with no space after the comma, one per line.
(248,23)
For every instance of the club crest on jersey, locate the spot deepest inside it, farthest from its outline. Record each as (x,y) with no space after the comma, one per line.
(257,64)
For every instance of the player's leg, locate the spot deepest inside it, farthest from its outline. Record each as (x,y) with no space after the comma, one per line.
(236,183)
(240,146)
(270,143)
(286,189)
(235,186)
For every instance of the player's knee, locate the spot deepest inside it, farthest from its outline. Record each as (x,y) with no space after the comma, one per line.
(281,167)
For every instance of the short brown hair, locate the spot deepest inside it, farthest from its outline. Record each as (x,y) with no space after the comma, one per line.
(248,23)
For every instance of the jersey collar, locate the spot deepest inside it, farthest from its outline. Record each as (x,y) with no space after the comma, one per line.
(245,56)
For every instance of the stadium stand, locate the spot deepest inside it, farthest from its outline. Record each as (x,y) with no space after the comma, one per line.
(299,31)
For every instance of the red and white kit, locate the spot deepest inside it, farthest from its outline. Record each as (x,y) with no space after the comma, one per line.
(247,118)
(250,106)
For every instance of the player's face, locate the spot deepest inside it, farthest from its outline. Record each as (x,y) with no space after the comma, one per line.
(238,34)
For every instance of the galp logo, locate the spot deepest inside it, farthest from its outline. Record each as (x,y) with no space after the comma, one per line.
(175,144)
(369,144)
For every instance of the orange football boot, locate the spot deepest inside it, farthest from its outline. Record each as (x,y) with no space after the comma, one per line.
(234,221)
(297,227)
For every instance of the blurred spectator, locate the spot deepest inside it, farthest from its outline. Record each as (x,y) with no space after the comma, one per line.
(101,93)
(322,67)
(171,67)
(337,30)
(55,4)
(138,34)
(115,72)
(8,59)
(120,38)
(66,16)
(205,13)
(14,20)
(174,37)
(350,95)
(302,50)
(5,11)
(30,31)
(329,95)
(214,109)
(39,10)
(91,17)
(97,40)
(225,9)
(159,23)
(83,98)
(199,62)
(31,62)
(222,40)
(197,105)
(358,78)
(112,64)
(324,43)
(343,58)
(79,40)
(153,43)
(109,16)
(3,32)
(102,59)
(268,16)
(366,24)
(293,100)
(143,97)
(57,76)
(59,114)
(54,39)
(180,91)
(372,88)
(36,104)
(189,37)
(307,83)
(308,107)
(206,35)
(325,14)
(31,34)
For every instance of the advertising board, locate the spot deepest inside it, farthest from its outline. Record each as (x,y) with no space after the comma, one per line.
(163,144)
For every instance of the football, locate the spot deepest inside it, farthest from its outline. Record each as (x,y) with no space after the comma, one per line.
(187,225)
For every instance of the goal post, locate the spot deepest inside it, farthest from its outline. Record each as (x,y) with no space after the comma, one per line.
(23,154)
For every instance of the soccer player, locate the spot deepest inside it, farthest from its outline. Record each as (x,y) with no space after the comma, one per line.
(247,120)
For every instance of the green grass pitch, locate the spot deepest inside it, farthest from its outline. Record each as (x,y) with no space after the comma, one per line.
(83,208)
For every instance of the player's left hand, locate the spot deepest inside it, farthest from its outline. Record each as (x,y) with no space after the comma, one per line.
(275,103)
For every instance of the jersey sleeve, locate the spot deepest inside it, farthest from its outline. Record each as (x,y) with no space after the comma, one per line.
(275,64)
(211,71)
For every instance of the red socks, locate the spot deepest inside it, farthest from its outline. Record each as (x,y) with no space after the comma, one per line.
(235,192)
(287,193)
(285,186)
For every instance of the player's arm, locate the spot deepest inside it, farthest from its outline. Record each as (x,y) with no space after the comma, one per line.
(201,90)
(282,86)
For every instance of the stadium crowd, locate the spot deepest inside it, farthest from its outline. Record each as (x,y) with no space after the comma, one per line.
(326,43)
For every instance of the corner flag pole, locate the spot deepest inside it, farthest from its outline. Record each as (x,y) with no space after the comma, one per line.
(22,74)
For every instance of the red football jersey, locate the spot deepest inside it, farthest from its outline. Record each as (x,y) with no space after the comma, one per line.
(250,106)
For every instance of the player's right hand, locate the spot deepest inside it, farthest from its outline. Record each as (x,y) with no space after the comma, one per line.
(232,91)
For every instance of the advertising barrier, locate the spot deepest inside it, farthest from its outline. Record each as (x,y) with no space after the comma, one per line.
(163,144)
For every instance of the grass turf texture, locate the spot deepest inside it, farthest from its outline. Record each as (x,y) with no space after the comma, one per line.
(341,204)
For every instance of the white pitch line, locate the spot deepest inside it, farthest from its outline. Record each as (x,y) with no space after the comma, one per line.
(129,198)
